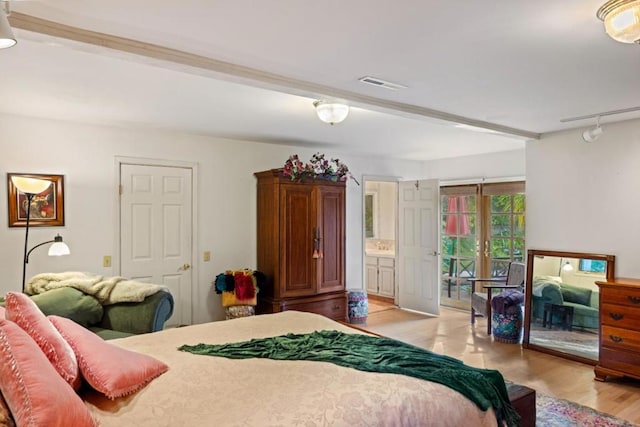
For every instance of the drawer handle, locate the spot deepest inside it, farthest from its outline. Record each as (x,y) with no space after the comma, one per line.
(336,307)
(616,316)
(615,338)
(634,300)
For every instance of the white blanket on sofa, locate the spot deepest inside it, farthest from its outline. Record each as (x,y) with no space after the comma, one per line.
(107,290)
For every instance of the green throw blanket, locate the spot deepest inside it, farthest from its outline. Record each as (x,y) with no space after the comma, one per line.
(486,388)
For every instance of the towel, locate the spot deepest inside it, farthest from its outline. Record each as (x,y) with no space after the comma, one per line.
(107,290)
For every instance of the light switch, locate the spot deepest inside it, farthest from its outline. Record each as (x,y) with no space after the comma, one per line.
(207,256)
(106,261)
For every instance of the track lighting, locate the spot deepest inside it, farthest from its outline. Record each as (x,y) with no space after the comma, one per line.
(591,135)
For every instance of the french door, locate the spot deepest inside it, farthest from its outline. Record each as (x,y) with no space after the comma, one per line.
(482,229)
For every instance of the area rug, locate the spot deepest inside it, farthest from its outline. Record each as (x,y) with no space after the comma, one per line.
(554,412)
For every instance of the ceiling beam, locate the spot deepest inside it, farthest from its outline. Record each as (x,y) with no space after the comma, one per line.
(248,75)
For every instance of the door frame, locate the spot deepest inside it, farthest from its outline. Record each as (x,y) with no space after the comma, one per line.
(378,178)
(195,261)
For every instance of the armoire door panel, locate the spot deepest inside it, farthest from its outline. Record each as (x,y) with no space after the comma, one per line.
(331,212)
(298,277)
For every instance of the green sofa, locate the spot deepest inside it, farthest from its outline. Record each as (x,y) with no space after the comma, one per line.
(110,321)
(585,302)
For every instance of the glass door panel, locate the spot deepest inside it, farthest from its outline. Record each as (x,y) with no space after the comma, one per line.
(459,245)
(483,230)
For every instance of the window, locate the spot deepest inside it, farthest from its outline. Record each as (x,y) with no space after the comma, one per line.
(592,266)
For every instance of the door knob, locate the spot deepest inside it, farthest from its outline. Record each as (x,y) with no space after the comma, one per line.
(186,266)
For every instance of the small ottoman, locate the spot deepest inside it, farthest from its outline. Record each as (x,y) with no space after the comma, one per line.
(358,304)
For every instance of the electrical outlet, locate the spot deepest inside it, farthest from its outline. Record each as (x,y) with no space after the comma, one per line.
(207,256)
(106,261)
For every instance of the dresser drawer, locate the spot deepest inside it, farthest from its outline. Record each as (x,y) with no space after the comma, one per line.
(333,308)
(624,296)
(620,316)
(620,360)
(618,338)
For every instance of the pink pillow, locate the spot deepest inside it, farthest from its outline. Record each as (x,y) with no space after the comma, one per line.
(35,393)
(2,313)
(22,310)
(110,369)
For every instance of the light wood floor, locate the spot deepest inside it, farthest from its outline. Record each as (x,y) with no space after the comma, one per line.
(452,334)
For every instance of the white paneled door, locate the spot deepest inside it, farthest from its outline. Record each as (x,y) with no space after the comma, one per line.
(156,229)
(418,246)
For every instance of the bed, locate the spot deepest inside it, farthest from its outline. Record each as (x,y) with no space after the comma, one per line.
(200,390)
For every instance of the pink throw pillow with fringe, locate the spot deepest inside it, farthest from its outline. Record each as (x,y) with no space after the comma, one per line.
(35,393)
(26,314)
(111,370)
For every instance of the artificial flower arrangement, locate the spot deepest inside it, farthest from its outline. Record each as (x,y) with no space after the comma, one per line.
(239,287)
(317,168)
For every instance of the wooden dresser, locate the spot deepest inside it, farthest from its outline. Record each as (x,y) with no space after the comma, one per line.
(300,248)
(619,329)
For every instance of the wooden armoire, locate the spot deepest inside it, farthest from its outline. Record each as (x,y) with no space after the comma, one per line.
(301,234)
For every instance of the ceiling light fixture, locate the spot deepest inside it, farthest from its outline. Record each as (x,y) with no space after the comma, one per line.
(331,112)
(591,135)
(7,38)
(621,20)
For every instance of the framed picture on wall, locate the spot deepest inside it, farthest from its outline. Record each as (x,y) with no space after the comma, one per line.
(47,208)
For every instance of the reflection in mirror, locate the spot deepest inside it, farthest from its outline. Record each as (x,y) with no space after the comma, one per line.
(562,302)
(370,215)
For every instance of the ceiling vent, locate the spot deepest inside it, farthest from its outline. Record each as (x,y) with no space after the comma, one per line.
(381,83)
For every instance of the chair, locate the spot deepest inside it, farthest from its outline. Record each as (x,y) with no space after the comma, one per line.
(481,302)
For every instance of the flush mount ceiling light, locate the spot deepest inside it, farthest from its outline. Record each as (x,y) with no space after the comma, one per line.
(331,112)
(6,35)
(591,135)
(621,20)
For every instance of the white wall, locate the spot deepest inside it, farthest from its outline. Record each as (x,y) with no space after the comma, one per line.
(506,164)
(226,217)
(583,197)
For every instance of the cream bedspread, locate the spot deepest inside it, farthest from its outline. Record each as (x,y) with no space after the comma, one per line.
(211,391)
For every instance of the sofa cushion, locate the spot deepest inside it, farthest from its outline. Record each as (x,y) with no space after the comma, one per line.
(109,369)
(576,294)
(26,314)
(553,294)
(35,393)
(70,303)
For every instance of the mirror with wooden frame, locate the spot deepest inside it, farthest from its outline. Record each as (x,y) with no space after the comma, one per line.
(562,315)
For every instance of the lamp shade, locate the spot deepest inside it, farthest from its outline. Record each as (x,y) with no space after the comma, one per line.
(621,20)
(30,185)
(331,112)
(6,35)
(59,248)
(567,266)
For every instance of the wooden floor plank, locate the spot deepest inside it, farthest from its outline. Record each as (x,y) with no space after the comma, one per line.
(452,334)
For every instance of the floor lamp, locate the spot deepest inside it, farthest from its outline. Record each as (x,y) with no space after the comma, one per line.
(31,187)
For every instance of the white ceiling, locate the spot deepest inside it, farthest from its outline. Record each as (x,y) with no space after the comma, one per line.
(518,64)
